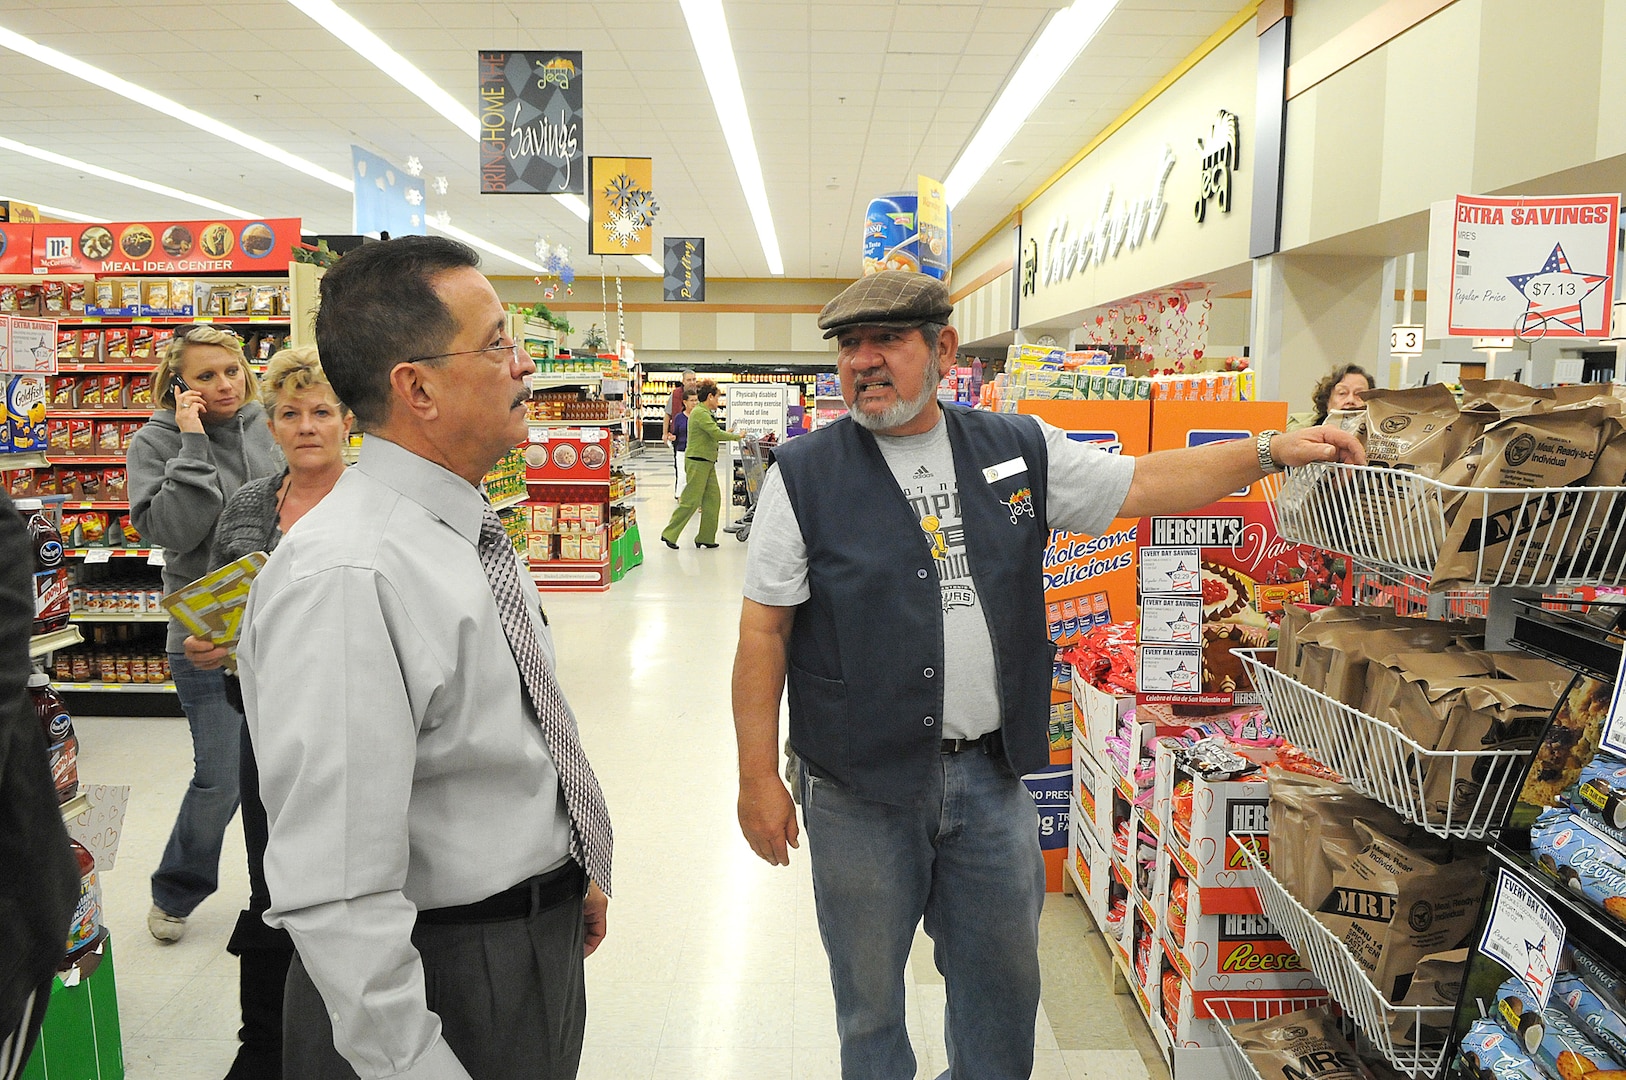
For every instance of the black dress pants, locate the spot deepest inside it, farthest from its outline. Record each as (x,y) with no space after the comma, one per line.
(510,996)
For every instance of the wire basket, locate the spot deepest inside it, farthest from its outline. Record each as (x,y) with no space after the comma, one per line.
(1412,1038)
(1228,1010)
(1460,794)
(1402,522)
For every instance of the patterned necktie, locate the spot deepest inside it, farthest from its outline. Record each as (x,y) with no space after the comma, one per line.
(591,839)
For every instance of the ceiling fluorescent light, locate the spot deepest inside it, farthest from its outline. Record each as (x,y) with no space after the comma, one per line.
(140,95)
(575,204)
(370,47)
(649,263)
(125,178)
(1068,31)
(486,246)
(58,212)
(712,45)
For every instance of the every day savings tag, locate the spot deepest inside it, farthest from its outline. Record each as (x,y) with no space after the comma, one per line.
(995,473)
(1524,934)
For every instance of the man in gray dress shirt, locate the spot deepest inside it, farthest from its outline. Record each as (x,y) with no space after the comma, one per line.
(420,845)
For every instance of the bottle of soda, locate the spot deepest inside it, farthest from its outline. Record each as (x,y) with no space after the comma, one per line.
(50,575)
(62,745)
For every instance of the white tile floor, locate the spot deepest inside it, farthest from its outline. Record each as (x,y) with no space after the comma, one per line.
(713,966)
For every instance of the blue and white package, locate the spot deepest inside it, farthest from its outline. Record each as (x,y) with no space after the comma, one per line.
(1488,1051)
(1595,1016)
(1548,1035)
(1568,849)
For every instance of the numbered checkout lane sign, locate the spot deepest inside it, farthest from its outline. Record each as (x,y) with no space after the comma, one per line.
(1406,341)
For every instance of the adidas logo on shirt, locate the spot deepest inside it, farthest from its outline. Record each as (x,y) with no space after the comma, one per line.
(922,473)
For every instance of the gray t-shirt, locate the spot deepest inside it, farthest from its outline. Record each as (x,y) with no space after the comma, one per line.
(1086,488)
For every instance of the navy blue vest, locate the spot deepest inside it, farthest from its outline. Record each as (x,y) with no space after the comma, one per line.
(866,650)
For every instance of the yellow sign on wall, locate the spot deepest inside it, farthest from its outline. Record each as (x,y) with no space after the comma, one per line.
(623,206)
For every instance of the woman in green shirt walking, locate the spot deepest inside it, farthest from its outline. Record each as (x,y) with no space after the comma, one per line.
(700,489)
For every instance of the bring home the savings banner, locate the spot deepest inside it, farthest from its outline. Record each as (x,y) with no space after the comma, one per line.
(162,247)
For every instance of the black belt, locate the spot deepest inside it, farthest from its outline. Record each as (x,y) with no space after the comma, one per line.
(522,901)
(990,744)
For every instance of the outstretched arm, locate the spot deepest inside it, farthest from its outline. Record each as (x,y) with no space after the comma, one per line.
(1175,481)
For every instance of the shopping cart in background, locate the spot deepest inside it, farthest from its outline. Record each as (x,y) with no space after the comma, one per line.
(756,454)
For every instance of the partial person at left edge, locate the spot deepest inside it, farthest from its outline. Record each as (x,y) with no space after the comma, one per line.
(208,438)
(40,880)
(439,848)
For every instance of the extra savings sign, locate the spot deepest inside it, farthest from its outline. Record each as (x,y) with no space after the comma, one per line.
(1529,267)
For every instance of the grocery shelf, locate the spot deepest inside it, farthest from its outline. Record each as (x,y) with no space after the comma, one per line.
(1424,1030)
(1584,923)
(117,553)
(1399,521)
(542,380)
(43,644)
(93,321)
(99,687)
(610,422)
(78,459)
(74,807)
(95,505)
(1382,763)
(101,414)
(1584,636)
(109,369)
(1227,1011)
(511,500)
(119,617)
(570,483)
(23,459)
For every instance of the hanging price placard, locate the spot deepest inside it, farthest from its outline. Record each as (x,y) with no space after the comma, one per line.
(1524,935)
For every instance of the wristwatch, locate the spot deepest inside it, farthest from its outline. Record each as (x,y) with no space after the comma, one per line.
(1267,461)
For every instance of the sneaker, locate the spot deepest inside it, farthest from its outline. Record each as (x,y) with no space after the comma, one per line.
(164,926)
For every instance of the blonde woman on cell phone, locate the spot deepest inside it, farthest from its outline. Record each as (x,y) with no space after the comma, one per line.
(207,438)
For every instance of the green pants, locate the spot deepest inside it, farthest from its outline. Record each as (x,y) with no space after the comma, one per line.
(700,492)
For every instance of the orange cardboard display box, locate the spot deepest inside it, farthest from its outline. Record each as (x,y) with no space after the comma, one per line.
(1097,573)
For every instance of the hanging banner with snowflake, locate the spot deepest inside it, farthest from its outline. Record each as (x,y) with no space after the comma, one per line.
(1522,266)
(387,199)
(531,123)
(685,265)
(623,206)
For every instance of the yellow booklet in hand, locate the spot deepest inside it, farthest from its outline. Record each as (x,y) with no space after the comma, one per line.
(212,606)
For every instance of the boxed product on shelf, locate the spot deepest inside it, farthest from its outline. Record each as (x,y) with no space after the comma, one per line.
(1092,793)
(1209,820)
(1088,858)
(1101,715)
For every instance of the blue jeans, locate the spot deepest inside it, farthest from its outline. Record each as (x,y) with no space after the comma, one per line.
(966,859)
(190,868)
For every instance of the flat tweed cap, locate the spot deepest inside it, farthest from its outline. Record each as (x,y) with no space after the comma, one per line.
(901,299)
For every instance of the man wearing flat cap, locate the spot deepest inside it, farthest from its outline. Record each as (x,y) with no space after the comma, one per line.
(895,584)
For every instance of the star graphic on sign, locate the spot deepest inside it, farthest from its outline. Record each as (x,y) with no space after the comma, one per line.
(414,167)
(1553,297)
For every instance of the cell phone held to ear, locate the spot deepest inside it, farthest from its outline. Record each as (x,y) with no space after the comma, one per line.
(178,387)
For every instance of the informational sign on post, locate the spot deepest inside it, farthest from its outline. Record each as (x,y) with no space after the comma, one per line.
(1528,266)
(1524,934)
(758,408)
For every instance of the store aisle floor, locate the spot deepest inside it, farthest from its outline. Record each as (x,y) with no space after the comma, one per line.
(713,967)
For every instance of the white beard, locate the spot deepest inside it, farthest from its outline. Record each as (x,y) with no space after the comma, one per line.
(897,414)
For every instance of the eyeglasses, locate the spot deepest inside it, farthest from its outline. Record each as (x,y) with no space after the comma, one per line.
(512,349)
(184,333)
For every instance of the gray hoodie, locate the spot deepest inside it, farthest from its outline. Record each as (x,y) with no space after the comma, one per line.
(179,482)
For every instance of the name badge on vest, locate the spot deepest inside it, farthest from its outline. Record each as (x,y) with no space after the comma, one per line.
(1020,501)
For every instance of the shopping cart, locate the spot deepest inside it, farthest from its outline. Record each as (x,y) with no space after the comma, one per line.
(756,454)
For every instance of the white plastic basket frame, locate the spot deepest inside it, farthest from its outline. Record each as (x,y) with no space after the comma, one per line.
(1238,1010)
(1396,520)
(1412,1038)
(1383,763)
